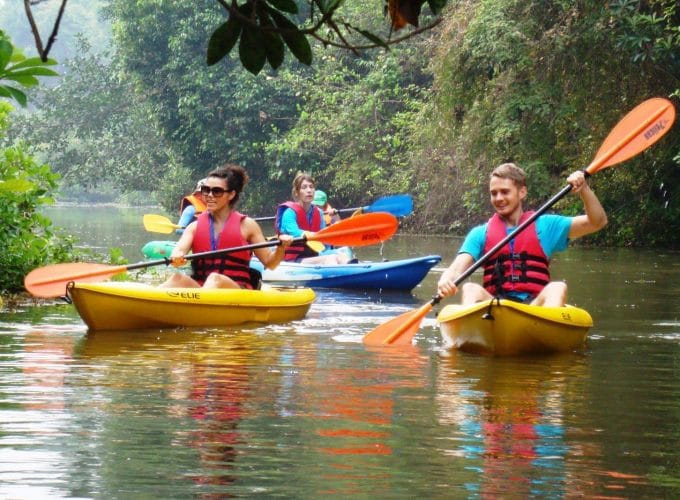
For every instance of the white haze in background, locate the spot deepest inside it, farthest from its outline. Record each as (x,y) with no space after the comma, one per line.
(81,18)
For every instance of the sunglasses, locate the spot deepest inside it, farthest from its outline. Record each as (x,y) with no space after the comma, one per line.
(215,191)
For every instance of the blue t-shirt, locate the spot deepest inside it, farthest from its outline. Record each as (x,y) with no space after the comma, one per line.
(289,223)
(552,231)
(186,218)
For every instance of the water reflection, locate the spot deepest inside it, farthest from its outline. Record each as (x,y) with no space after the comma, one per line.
(344,413)
(45,365)
(509,420)
(204,380)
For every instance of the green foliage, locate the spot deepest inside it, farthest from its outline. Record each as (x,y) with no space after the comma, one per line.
(353,131)
(541,84)
(177,182)
(208,115)
(649,31)
(16,67)
(26,237)
(94,131)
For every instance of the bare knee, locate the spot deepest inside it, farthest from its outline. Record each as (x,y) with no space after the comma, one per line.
(472,292)
(553,295)
(217,280)
(179,280)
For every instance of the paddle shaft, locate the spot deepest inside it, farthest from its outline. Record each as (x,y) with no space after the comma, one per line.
(342,210)
(399,205)
(211,253)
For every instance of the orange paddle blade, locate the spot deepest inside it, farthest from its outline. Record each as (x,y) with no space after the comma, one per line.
(51,281)
(399,330)
(362,230)
(639,129)
(159,224)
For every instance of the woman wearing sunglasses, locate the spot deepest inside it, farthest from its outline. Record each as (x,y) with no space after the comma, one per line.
(301,216)
(221,226)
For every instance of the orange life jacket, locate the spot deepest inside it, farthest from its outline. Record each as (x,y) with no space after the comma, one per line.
(194,200)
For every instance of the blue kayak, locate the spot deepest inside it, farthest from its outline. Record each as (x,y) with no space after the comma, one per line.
(402,274)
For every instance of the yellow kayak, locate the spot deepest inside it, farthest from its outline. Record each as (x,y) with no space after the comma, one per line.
(507,328)
(118,305)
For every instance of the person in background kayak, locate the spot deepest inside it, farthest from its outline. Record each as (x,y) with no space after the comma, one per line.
(330,215)
(221,226)
(520,272)
(190,207)
(301,216)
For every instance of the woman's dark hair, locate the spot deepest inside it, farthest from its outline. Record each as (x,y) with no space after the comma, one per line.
(236,178)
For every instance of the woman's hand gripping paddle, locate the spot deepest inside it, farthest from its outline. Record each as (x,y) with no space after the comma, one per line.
(368,229)
(636,131)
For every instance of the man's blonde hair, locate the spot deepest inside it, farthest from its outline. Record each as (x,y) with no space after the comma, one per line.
(512,172)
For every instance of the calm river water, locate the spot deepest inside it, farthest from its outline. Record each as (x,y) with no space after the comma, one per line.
(304,410)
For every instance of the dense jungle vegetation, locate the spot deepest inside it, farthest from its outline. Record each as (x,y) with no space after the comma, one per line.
(540,83)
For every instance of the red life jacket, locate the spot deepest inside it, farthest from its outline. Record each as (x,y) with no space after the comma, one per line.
(235,265)
(524,269)
(299,250)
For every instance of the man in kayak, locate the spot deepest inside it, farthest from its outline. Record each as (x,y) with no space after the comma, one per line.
(300,216)
(520,269)
(221,226)
(190,207)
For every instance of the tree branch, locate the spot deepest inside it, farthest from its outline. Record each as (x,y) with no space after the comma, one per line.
(43,52)
(55,30)
(392,41)
(34,27)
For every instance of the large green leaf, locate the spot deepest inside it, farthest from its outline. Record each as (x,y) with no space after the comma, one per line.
(295,40)
(34,71)
(32,61)
(6,50)
(273,43)
(25,80)
(285,5)
(16,94)
(223,40)
(251,50)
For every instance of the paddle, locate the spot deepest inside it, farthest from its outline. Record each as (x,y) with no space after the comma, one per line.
(399,205)
(368,229)
(159,224)
(636,131)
